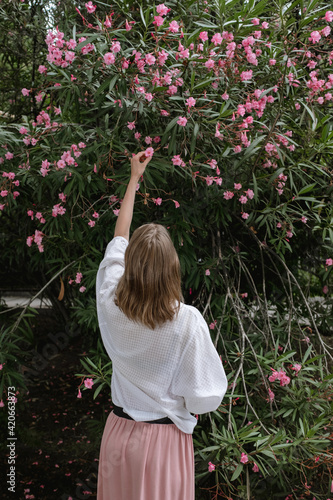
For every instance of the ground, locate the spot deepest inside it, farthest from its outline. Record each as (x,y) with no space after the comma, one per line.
(58,434)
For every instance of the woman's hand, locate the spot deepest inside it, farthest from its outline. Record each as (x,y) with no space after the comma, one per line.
(138,164)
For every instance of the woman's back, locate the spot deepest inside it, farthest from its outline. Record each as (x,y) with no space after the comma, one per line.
(173,370)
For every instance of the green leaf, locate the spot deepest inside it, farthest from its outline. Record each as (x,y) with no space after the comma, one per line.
(194,137)
(204,83)
(168,128)
(205,24)
(143,17)
(307,354)
(98,390)
(237,472)
(307,189)
(255,186)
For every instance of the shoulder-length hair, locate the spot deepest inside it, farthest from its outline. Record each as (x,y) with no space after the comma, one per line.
(149,291)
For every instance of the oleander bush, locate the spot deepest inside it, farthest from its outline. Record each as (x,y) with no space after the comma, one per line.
(234,102)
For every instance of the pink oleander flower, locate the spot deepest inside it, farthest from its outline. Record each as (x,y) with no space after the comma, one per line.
(30,239)
(190,102)
(182,121)
(90,7)
(237,186)
(162,9)
(243,199)
(158,201)
(249,193)
(158,20)
(203,36)
(271,395)
(217,39)
(177,205)
(315,36)
(150,59)
(25,91)
(304,219)
(149,152)
(42,69)
(255,468)
(246,75)
(228,195)
(61,164)
(78,277)
(211,467)
(91,223)
(58,210)
(88,383)
(82,289)
(237,149)
(326,31)
(329,16)
(245,215)
(329,262)
(296,368)
(174,27)
(244,458)
(281,376)
(207,272)
(255,21)
(109,58)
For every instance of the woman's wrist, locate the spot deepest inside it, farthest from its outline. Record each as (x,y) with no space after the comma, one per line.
(135,178)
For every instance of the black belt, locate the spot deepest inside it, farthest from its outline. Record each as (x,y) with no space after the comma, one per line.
(120,413)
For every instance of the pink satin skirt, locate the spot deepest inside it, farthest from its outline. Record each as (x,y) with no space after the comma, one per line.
(142,461)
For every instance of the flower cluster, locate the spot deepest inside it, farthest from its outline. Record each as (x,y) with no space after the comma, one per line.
(77,280)
(279,375)
(61,52)
(7,182)
(37,238)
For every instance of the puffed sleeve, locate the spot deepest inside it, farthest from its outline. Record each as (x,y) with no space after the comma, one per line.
(112,266)
(200,378)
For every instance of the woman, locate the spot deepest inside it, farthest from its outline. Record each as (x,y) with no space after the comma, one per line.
(165,365)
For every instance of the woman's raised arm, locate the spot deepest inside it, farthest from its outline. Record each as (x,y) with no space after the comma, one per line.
(125,215)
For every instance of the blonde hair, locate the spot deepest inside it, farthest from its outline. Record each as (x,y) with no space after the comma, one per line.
(149,291)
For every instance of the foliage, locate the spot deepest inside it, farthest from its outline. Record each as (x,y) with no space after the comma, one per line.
(233,100)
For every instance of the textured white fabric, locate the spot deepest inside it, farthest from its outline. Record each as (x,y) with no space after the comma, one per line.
(171,371)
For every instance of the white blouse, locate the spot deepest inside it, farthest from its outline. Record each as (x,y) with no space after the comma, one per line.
(171,371)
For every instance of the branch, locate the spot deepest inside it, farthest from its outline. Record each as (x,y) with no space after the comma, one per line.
(38,293)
